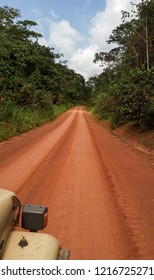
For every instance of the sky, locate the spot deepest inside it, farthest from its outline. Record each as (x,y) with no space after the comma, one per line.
(76,28)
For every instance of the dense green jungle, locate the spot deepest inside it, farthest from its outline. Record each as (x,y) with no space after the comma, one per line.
(36,85)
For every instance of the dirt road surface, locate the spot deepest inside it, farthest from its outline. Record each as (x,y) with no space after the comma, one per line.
(99,190)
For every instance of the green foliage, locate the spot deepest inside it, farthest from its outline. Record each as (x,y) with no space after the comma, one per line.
(57,110)
(32,83)
(125,90)
(15,120)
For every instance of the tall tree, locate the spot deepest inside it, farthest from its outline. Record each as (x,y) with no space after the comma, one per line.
(128,94)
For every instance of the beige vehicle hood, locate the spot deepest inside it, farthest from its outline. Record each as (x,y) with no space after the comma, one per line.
(40,246)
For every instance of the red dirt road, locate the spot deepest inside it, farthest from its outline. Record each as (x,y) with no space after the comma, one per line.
(98,189)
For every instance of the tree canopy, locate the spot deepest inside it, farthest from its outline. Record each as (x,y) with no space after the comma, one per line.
(125,90)
(30,74)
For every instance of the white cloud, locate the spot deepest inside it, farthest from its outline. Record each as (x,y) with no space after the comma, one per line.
(61,36)
(82,61)
(64,37)
(104,22)
(43,42)
(68,40)
(101,27)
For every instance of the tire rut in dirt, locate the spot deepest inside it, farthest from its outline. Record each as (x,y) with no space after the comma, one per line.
(118,197)
(33,185)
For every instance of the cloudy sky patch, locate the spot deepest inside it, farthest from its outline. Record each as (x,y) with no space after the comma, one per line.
(76,28)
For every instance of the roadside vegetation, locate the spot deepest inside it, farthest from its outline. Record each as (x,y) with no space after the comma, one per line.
(124,91)
(16,120)
(35,84)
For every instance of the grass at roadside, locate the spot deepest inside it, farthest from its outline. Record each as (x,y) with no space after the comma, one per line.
(128,131)
(16,120)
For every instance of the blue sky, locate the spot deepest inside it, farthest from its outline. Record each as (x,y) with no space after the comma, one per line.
(76,28)
(78,12)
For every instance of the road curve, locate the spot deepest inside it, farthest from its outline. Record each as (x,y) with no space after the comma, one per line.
(98,189)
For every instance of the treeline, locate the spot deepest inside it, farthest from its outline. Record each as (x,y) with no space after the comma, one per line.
(124,91)
(32,81)
(35,85)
